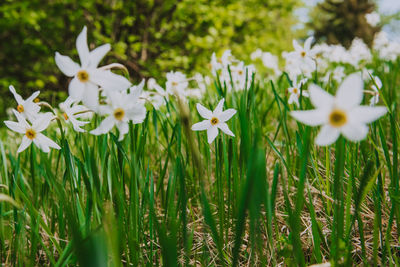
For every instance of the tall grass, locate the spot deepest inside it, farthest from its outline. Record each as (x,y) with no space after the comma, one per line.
(164,196)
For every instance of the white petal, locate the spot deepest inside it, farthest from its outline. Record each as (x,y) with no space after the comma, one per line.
(47,141)
(293,99)
(224,127)
(327,135)
(226,115)
(219,107)
(355,131)
(15,126)
(296,45)
(108,80)
(137,114)
(366,114)
(41,145)
(24,144)
(123,129)
(350,92)
(205,113)
(21,119)
(17,97)
(90,97)
(82,47)
(310,117)
(104,110)
(66,65)
(200,126)
(33,96)
(212,134)
(308,42)
(76,124)
(97,55)
(105,126)
(75,89)
(319,97)
(42,122)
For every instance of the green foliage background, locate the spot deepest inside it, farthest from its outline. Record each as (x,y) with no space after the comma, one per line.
(150,37)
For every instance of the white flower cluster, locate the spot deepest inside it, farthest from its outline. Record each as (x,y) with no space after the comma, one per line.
(232,73)
(95,89)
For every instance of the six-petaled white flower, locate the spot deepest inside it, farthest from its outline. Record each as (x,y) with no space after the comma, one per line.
(32,132)
(87,76)
(340,114)
(295,91)
(304,55)
(214,120)
(72,112)
(176,83)
(27,108)
(121,109)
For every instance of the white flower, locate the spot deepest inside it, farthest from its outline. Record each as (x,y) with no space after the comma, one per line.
(87,76)
(157,98)
(304,56)
(272,62)
(214,120)
(27,108)
(176,83)
(375,98)
(358,51)
(221,63)
(373,18)
(337,75)
(295,91)
(121,109)
(256,54)
(72,112)
(32,132)
(340,114)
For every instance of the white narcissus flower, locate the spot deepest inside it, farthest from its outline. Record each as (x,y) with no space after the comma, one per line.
(87,76)
(295,91)
(121,109)
(72,112)
(304,55)
(375,98)
(32,132)
(340,114)
(214,120)
(176,83)
(221,63)
(27,108)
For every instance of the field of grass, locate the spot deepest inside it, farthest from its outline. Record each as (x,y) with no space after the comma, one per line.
(165,196)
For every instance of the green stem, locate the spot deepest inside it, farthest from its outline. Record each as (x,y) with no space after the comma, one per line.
(338,212)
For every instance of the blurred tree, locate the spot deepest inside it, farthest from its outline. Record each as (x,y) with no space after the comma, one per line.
(148,36)
(340,21)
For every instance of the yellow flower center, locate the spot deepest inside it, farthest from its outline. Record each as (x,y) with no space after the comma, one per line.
(31,134)
(295,91)
(303,54)
(83,76)
(36,100)
(20,108)
(214,120)
(240,72)
(65,116)
(119,114)
(337,118)
(174,84)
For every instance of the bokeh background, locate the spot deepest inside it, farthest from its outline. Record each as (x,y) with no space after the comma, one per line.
(151,37)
